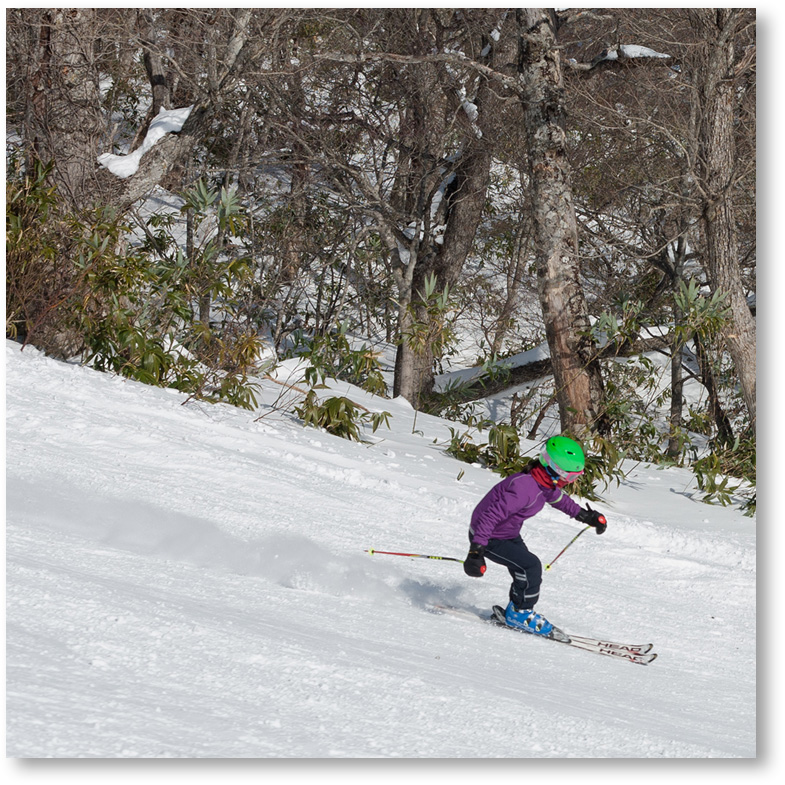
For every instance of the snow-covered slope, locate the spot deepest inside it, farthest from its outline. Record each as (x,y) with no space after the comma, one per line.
(191,581)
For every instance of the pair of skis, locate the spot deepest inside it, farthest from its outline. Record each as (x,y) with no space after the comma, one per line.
(640,654)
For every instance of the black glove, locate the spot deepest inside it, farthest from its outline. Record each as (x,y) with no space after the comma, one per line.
(593,518)
(475,562)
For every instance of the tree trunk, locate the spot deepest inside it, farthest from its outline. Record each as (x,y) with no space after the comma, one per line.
(724,428)
(168,155)
(677,355)
(716,157)
(463,204)
(154,68)
(515,275)
(461,207)
(65,101)
(576,370)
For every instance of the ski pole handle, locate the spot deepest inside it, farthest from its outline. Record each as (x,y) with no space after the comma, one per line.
(548,566)
(415,555)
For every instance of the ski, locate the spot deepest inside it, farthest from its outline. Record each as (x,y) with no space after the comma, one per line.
(640,659)
(630,648)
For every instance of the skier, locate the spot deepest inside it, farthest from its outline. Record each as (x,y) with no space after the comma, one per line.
(495,530)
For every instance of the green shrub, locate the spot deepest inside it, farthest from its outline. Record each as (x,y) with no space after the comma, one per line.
(502,454)
(330,354)
(430,324)
(604,459)
(74,287)
(40,247)
(339,416)
(729,472)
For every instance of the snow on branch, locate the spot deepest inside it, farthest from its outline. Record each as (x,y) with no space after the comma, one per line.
(621,52)
(630,52)
(167,121)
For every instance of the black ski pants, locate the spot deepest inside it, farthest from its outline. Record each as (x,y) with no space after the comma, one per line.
(525,569)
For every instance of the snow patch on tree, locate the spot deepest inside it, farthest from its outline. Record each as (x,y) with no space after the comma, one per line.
(167,121)
(629,51)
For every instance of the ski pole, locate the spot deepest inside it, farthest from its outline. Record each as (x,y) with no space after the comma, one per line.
(415,555)
(548,566)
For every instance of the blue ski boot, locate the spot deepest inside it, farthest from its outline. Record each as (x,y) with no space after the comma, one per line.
(527,620)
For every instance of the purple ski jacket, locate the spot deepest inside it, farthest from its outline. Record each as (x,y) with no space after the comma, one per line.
(503,510)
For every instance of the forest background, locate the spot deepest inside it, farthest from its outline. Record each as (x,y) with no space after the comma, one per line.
(473,181)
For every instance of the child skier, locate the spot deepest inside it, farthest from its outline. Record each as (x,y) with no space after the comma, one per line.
(496,523)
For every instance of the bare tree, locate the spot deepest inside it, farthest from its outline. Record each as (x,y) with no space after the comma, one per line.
(191,57)
(576,368)
(646,134)
(59,92)
(429,131)
(465,186)
(716,75)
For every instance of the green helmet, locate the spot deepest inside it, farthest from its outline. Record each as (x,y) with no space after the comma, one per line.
(563,458)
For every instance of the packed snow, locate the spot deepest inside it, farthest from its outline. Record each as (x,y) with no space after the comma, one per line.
(187,580)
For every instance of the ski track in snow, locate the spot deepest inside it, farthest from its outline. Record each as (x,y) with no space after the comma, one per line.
(189,581)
